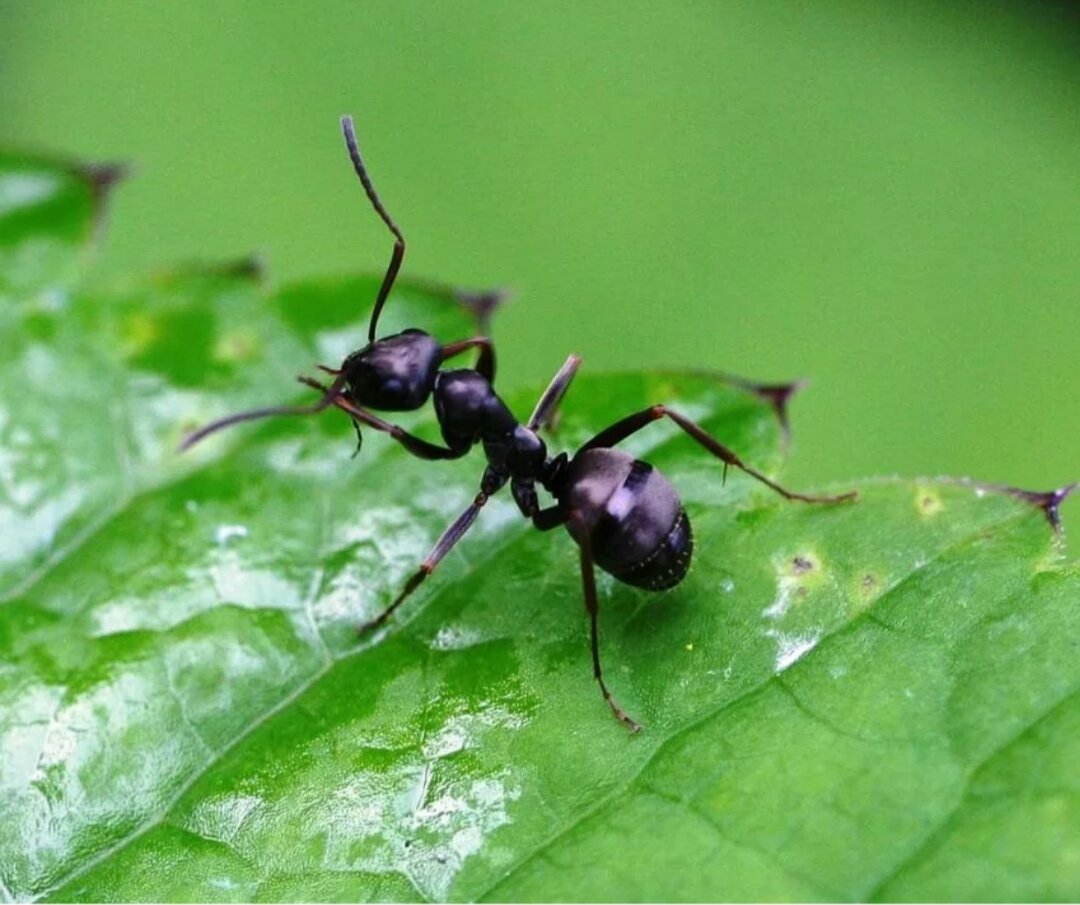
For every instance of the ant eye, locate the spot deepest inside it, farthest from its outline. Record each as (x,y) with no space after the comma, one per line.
(360,372)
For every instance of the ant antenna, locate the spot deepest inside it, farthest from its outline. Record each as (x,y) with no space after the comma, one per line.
(213,427)
(373,197)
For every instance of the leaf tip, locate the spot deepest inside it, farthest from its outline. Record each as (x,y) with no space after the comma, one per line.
(479,304)
(251,266)
(101,178)
(482,303)
(776,395)
(1049,501)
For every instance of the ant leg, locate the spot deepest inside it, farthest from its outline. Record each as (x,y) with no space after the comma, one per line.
(550,518)
(529,505)
(620,430)
(413,444)
(544,413)
(444,545)
(359,439)
(592,606)
(485,362)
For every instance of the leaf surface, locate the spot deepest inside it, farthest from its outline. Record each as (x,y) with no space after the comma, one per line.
(875,700)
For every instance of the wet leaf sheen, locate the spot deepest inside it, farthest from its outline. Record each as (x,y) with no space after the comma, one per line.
(868,701)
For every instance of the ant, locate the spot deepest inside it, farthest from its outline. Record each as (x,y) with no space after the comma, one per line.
(624,515)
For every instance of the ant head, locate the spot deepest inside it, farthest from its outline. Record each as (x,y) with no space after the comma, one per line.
(393,374)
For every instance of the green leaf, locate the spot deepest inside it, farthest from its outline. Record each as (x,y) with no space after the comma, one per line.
(876,700)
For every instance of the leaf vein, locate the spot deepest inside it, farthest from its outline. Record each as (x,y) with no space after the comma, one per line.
(926,845)
(162,813)
(610,798)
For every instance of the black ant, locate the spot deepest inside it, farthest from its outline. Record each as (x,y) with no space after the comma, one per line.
(625,516)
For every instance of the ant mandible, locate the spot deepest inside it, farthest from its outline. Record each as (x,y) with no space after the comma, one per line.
(624,515)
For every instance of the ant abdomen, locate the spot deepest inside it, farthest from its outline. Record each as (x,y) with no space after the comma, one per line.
(638,529)
(668,564)
(394,374)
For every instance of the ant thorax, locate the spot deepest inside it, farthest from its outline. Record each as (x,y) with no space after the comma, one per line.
(521,453)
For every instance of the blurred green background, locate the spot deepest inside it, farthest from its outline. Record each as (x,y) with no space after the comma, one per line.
(883,197)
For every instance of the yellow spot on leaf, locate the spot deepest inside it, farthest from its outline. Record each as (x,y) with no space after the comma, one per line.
(868,587)
(797,574)
(236,346)
(928,501)
(138,333)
